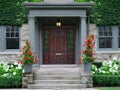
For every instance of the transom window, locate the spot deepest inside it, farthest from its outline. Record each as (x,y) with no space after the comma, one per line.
(105,37)
(12,37)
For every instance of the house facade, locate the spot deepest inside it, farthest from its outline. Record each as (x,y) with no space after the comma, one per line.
(57,30)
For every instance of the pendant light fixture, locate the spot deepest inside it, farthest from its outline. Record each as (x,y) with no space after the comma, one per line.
(58,22)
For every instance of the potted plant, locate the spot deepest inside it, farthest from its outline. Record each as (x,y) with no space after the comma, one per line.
(28,58)
(88,53)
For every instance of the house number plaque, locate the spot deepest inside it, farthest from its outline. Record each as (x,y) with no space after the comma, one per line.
(58,53)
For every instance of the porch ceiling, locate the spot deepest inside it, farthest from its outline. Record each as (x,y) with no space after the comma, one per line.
(65,21)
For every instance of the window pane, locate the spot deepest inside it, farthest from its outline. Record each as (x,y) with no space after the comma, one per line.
(7,34)
(12,43)
(108,42)
(17,34)
(12,34)
(8,28)
(101,31)
(12,29)
(16,28)
(105,42)
(46,41)
(105,31)
(101,43)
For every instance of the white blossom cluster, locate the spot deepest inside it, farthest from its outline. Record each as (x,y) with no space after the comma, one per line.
(8,70)
(111,67)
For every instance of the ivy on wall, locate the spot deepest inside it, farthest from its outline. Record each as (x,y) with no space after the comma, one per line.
(12,12)
(106,12)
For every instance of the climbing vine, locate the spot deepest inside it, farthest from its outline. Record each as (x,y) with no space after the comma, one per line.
(13,12)
(106,12)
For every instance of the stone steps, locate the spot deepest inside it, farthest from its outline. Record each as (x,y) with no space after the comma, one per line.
(56,86)
(57,81)
(58,77)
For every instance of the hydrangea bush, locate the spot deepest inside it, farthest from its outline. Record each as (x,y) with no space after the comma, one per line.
(111,67)
(9,70)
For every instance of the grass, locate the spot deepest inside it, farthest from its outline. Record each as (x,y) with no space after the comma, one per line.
(109,88)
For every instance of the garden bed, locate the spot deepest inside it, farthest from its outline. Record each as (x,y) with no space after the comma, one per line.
(10,75)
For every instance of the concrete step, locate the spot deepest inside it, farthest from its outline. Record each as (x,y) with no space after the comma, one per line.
(59,66)
(57,81)
(56,86)
(59,77)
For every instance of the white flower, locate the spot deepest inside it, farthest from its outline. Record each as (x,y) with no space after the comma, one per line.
(115,66)
(104,63)
(14,73)
(103,71)
(15,63)
(6,74)
(11,66)
(23,71)
(111,70)
(6,69)
(110,62)
(19,66)
(114,58)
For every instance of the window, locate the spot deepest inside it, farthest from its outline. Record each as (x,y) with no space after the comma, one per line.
(119,37)
(105,37)
(12,37)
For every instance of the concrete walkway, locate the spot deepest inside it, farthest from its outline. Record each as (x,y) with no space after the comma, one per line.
(54,89)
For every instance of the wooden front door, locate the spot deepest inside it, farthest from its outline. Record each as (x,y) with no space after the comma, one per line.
(58,46)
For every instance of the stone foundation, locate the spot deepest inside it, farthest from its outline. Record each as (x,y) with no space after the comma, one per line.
(9,57)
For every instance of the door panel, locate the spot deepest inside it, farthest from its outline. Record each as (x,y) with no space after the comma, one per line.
(59,44)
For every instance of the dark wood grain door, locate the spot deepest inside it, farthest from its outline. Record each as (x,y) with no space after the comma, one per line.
(58,49)
(58,44)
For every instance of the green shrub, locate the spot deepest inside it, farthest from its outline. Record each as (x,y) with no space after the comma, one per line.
(106,80)
(82,0)
(11,82)
(98,64)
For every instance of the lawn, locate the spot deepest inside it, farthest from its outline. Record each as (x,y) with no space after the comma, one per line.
(110,88)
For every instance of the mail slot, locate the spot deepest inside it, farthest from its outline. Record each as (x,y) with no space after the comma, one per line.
(58,53)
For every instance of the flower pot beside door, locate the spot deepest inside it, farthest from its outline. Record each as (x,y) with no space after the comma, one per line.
(87,54)
(87,67)
(28,57)
(28,68)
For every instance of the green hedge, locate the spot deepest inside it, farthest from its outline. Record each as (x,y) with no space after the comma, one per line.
(11,82)
(98,64)
(106,80)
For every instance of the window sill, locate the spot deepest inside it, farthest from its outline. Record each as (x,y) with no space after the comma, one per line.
(108,51)
(10,52)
